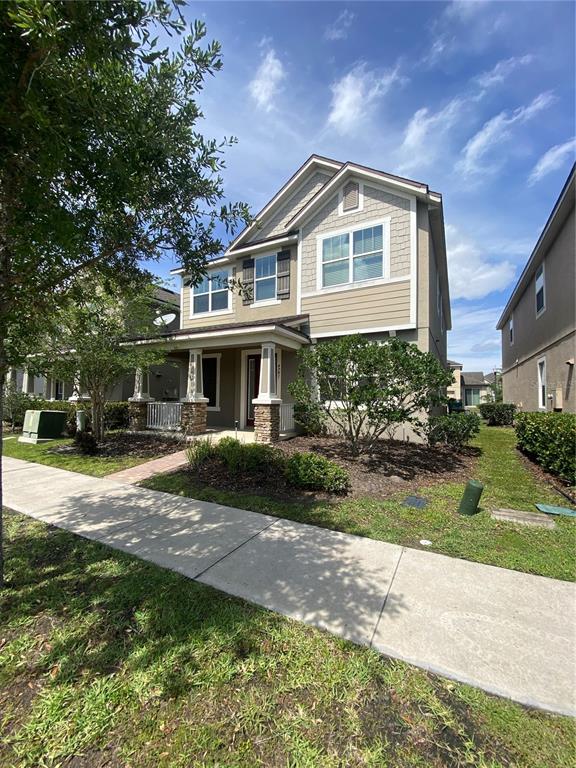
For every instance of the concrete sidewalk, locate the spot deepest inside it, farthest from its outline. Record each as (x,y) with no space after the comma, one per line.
(509,633)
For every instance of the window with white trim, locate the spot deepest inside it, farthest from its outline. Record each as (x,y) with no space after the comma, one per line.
(265,278)
(212,293)
(353,257)
(542,384)
(511,329)
(540,290)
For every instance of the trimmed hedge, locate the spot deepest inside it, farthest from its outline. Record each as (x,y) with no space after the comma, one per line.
(550,440)
(454,430)
(302,470)
(498,414)
(116,414)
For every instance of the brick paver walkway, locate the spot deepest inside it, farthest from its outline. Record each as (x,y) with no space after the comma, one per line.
(140,472)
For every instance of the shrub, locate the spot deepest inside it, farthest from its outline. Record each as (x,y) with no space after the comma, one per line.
(199,452)
(454,430)
(549,439)
(498,414)
(15,404)
(116,414)
(86,442)
(251,458)
(316,473)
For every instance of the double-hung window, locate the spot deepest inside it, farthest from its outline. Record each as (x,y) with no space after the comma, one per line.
(542,384)
(353,257)
(265,278)
(540,291)
(511,329)
(211,294)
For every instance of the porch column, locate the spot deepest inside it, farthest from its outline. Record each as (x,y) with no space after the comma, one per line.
(11,381)
(49,392)
(267,404)
(77,395)
(194,405)
(28,382)
(138,408)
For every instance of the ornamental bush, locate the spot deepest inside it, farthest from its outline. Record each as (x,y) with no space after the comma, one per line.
(455,430)
(316,473)
(550,440)
(498,414)
(249,458)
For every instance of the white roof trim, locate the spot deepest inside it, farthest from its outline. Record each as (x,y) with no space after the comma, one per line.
(314,160)
(267,244)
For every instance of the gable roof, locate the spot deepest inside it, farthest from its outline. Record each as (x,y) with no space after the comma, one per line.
(562,207)
(473,379)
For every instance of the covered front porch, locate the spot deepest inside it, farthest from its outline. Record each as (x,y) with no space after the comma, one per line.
(224,381)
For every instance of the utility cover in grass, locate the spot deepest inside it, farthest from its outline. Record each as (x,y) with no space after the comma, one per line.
(415,501)
(523,518)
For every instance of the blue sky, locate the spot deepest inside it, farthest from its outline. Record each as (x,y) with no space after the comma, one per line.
(474,98)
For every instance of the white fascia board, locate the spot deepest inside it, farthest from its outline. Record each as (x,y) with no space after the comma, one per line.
(225,338)
(257,247)
(284,192)
(208,265)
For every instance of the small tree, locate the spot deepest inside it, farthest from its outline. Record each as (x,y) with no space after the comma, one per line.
(89,338)
(365,388)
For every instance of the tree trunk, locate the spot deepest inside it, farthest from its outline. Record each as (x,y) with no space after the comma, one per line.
(2,381)
(97,419)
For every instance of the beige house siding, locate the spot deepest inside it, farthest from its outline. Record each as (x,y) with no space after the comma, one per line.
(378,306)
(276,223)
(551,335)
(520,383)
(241,313)
(378,204)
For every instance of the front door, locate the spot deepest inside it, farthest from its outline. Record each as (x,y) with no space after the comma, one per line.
(252,386)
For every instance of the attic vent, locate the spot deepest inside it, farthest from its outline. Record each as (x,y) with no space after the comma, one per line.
(351,196)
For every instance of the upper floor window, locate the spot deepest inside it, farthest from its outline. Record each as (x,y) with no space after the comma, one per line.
(542,384)
(265,278)
(511,329)
(540,290)
(353,257)
(212,294)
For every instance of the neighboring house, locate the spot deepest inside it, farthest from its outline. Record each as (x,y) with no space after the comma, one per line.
(475,387)
(163,379)
(340,249)
(538,324)
(454,391)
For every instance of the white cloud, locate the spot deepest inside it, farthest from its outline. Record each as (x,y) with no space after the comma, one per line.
(553,159)
(474,340)
(472,274)
(266,83)
(496,131)
(355,95)
(338,30)
(502,70)
(464,10)
(425,132)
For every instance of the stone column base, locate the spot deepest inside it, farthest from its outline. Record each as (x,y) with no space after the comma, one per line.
(137,415)
(267,423)
(194,418)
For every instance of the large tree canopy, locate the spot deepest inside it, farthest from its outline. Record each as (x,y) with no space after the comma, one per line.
(102,164)
(101,161)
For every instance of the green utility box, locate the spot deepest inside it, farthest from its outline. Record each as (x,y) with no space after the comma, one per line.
(40,426)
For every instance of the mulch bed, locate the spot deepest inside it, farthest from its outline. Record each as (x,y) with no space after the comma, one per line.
(394,467)
(569,492)
(138,444)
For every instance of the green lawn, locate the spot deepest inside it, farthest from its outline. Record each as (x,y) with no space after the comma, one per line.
(508,483)
(98,466)
(106,660)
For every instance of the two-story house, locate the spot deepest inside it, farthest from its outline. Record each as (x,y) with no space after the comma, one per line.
(538,324)
(340,249)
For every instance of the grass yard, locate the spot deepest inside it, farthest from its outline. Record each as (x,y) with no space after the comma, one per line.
(106,660)
(508,481)
(98,466)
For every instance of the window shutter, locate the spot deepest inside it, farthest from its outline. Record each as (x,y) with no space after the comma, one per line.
(351,196)
(247,281)
(283,275)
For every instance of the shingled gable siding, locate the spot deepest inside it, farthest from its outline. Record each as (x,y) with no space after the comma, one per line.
(377,204)
(275,224)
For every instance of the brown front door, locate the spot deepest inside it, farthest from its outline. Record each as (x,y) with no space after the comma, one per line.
(252,386)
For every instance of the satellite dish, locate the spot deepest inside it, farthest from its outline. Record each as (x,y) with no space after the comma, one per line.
(165,319)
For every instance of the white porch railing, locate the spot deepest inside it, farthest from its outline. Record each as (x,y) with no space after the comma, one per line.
(163,416)
(287,423)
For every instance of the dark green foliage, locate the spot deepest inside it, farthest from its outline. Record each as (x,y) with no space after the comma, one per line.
(316,473)
(455,430)
(248,458)
(14,406)
(199,452)
(550,440)
(86,442)
(364,389)
(498,414)
(116,414)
